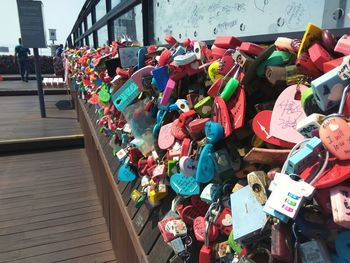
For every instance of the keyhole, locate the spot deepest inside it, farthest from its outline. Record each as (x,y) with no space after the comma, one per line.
(195,33)
(242,27)
(280,21)
(338,13)
(256,188)
(118,101)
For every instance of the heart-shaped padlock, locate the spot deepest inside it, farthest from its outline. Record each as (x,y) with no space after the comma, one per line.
(184,185)
(213,131)
(206,167)
(335,130)
(199,225)
(188,165)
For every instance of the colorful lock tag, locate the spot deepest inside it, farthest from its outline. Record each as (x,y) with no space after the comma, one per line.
(204,107)
(236,106)
(312,34)
(206,167)
(214,132)
(261,127)
(221,115)
(185,59)
(184,185)
(188,165)
(125,174)
(161,76)
(125,95)
(334,133)
(179,133)
(138,75)
(199,226)
(286,113)
(103,95)
(166,139)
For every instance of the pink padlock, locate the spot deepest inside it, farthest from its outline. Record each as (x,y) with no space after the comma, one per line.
(343,45)
(340,200)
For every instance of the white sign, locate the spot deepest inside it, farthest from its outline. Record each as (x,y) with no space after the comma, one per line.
(52,34)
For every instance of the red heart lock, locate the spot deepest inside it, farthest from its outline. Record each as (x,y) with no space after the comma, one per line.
(199,225)
(216,87)
(236,106)
(221,115)
(224,221)
(190,212)
(261,127)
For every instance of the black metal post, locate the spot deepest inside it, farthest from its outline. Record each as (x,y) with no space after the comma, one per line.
(39,82)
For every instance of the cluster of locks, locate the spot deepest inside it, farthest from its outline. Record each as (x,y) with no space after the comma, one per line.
(253,140)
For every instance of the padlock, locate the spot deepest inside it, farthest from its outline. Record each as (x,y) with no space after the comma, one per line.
(319,55)
(196,128)
(223,252)
(343,45)
(211,193)
(288,75)
(258,182)
(227,42)
(224,166)
(244,205)
(169,88)
(178,51)
(164,227)
(305,157)
(221,116)
(329,65)
(243,60)
(224,221)
(177,227)
(204,107)
(159,172)
(185,59)
(340,201)
(186,117)
(328,89)
(308,102)
(178,131)
(281,243)
(200,226)
(284,44)
(334,132)
(309,126)
(154,196)
(314,251)
(277,58)
(288,195)
(251,48)
(306,66)
(161,76)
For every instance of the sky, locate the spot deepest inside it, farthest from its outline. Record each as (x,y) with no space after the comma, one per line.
(60,15)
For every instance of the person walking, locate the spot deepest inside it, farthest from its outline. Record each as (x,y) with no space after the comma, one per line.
(58,62)
(21,58)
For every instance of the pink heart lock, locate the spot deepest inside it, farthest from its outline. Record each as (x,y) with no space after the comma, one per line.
(335,135)
(286,113)
(199,225)
(166,139)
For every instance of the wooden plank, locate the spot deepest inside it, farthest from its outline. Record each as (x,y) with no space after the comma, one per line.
(106,256)
(46,211)
(10,239)
(69,253)
(161,252)
(50,223)
(42,218)
(52,238)
(53,247)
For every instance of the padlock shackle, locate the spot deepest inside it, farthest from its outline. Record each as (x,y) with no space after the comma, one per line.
(343,100)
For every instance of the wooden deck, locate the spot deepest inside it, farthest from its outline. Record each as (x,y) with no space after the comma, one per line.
(50,210)
(20,117)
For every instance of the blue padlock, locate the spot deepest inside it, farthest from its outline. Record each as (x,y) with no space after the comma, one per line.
(328,89)
(206,166)
(125,174)
(214,132)
(161,77)
(141,57)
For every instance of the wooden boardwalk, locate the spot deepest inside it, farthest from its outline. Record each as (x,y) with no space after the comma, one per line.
(20,117)
(50,211)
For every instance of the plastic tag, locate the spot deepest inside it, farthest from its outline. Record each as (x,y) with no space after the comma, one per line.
(184,185)
(125,95)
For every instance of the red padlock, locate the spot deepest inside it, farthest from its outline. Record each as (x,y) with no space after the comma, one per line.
(281,244)
(164,58)
(224,221)
(186,117)
(329,65)
(306,66)
(319,55)
(251,48)
(185,147)
(170,40)
(227,42)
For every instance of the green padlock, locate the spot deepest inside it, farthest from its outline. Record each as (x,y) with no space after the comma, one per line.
(172,167)
(237,248)
(104,95)
(277,58)
(204,107)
